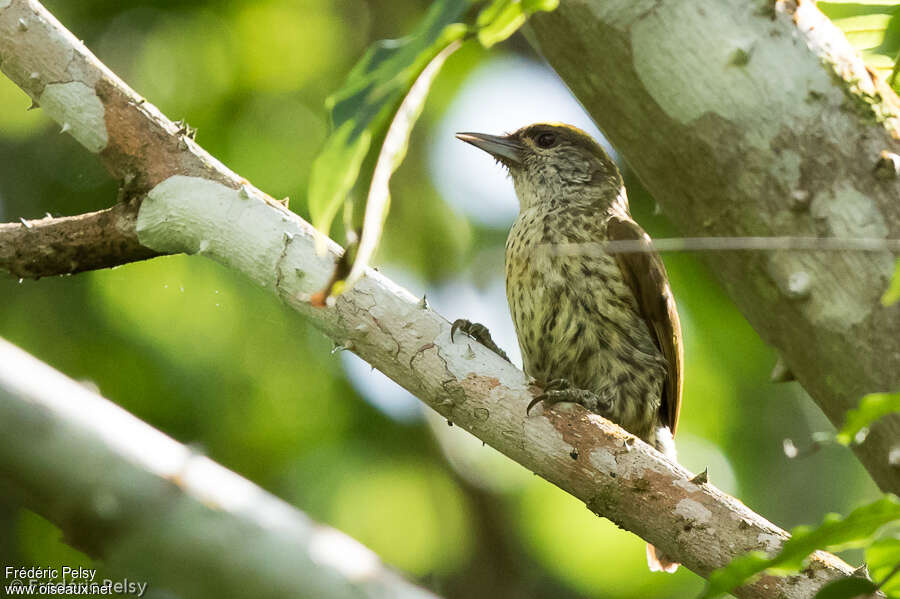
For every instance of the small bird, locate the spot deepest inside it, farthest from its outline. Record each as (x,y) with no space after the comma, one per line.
(595,327)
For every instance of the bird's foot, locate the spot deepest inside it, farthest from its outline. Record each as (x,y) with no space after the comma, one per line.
(479,333)
(562,391)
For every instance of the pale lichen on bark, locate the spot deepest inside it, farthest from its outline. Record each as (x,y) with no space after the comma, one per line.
(52,72)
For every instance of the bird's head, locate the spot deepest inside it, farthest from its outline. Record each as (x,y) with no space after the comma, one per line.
(551,161)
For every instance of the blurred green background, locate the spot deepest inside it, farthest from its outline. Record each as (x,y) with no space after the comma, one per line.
(198,352)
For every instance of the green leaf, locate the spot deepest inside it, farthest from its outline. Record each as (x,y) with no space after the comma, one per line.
(892,295)
(872,27)
(392,152)
(334,172)
(846,588)
(490,13)
(501,18)
(504,17)
(882,557)
(871,408)
(373,113)
(363,109)
(533,6)
(834,534)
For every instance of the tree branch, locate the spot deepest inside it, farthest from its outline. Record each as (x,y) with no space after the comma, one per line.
(133,139)
(135,142)
(614,473)
(759,119)
(71,244)
(205,209)
(147,505)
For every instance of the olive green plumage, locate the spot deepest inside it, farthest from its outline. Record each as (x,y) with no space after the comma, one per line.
(595,327)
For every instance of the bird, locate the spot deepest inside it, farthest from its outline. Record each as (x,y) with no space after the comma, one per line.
(595,327)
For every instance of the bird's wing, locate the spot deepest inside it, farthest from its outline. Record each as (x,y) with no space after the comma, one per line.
(645,274)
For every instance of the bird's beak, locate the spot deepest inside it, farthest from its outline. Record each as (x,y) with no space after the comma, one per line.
(504,149)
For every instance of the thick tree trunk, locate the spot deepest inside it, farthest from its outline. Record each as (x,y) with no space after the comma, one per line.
(757,118)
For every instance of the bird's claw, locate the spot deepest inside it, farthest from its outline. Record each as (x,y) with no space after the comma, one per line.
(478,332)
(535,402)
(562,391)
(549,395)
(472,329)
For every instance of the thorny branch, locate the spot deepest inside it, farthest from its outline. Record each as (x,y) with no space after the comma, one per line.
(192,203)
(615,474)
(55,246)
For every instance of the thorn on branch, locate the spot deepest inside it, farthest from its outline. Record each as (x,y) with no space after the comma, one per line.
(25,223)
(799,201)
(125,187)
(338,347)
(799,285)
(887,166)
(702,478)
(781,372)
(185,129)
(894,456)
(790,450)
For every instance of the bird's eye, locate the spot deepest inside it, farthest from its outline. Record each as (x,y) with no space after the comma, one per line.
(546,140)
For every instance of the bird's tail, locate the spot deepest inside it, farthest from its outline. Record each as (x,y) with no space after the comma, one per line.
(659,562)
(655,560)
